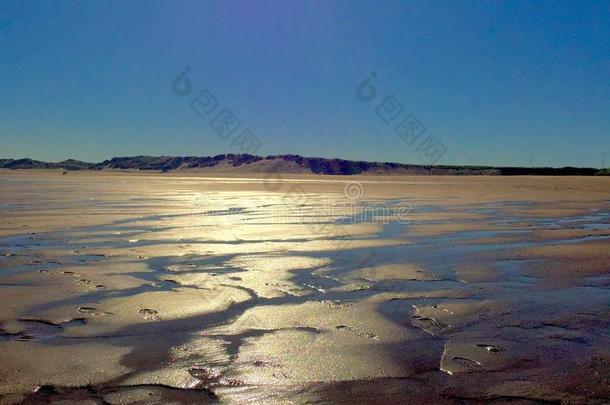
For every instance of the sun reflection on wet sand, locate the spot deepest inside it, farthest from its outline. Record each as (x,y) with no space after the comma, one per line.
(204,289)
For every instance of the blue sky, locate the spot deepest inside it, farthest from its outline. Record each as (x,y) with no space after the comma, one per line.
(493,81)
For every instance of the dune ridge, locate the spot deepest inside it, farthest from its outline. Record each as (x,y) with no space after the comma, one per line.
(290,164)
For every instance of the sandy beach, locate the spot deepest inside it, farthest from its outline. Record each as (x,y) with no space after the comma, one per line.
(194,288)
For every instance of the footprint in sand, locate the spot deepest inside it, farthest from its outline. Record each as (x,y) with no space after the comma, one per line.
(44,329)
(429,325)
(358,332)
(91,311)
(150,314)
(85,310)
(104,313)
(491,348)
(209,377)
(84,282)
(466,363)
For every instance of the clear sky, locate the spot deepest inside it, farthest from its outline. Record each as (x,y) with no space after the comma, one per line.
(494,81)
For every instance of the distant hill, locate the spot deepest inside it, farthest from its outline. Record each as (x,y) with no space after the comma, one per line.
(69,164)
(289,164)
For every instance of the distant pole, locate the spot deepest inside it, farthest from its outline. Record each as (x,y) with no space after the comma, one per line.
(603,159)
(530,159)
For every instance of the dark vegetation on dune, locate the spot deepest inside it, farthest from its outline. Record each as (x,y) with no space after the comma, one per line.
(274,163)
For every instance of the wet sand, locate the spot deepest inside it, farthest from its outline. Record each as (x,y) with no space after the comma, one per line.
(127,287)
